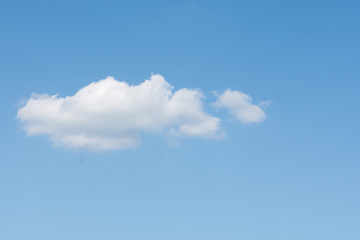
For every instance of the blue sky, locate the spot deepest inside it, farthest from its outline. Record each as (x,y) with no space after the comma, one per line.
(294,175)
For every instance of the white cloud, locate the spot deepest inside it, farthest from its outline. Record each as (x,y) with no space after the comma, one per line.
(239,104)
(110,114)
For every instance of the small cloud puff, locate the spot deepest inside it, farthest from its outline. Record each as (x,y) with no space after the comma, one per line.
(110,114)
(239,104)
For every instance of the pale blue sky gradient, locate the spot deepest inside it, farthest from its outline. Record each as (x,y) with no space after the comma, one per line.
(294,176)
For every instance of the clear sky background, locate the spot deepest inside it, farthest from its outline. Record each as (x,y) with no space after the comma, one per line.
(293,176)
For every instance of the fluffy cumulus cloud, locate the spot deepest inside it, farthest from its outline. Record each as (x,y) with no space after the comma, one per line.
(240,105)
(110,114)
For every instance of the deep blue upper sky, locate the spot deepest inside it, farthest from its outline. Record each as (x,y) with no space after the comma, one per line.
(293,176)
